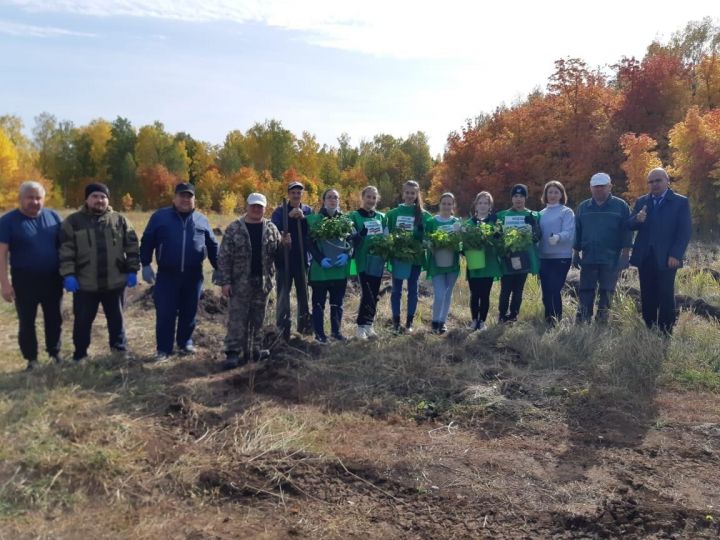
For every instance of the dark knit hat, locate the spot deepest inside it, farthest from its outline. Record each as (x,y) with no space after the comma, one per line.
(519,189)
(97,186)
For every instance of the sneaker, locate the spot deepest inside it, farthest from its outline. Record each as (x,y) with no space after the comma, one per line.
(259,355)
(80,358)
(122,353)
(161,356)
(188,349)
(56,359)
(322,340)
(442,328)
(232,361)
(32,365)
(480,326)
(361,332)
(339,337)
(370,331)
(435,327)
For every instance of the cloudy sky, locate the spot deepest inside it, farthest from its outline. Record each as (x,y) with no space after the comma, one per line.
(325,66)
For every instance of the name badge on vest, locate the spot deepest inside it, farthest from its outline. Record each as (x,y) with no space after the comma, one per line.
(373,227)
(405,223)
(514,222)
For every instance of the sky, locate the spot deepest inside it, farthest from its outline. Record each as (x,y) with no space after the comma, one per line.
(207,67)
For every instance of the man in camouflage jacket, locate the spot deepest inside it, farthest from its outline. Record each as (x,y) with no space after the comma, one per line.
(99,257)
(246,265)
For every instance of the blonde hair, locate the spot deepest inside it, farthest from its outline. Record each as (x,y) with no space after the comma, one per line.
(482,195)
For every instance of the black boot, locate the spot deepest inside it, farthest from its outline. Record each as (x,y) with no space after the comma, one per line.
(396,324)
(435,327)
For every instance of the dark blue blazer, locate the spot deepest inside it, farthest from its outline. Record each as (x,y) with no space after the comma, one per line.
(666,230)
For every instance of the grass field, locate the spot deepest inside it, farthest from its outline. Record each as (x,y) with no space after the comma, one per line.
(517,432)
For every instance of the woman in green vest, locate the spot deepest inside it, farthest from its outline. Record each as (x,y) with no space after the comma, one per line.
(368,222)
(481,281)
(443,277)
(328,276)
(409,216)
(512,282)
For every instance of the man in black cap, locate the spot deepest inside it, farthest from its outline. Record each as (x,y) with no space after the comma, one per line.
(181,237)
(98,259)
(295,211)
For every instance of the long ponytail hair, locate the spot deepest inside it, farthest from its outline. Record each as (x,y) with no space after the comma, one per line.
(419,208)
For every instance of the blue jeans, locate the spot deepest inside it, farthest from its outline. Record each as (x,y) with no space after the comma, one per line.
(412,287)
(552,279)
(176,296)
(443,285)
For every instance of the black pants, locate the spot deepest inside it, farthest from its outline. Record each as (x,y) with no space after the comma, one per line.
(33,289)
(480,297)
(511,291)
(370,286)
(657,294)
(85,307)
(320,292)
(283,318)
(552,279)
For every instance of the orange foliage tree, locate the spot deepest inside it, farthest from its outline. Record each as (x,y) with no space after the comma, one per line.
(641,158)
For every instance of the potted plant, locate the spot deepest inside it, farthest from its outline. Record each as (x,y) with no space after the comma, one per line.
(332,235)
(379,250)
(444,246)
(475,239)
(516,241)
(405,251)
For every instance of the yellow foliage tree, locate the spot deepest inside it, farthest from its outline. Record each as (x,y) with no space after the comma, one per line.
(640,159)
(127,202)
(229,203)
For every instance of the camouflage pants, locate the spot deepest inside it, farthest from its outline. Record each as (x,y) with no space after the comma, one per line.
(246,315)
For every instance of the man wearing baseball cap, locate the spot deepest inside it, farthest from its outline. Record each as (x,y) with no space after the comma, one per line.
(98,259)
(602,247)
(180,237)
(246,264)
(664,225)
(297,261)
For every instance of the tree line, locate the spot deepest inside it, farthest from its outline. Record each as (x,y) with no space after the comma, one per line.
(624,119)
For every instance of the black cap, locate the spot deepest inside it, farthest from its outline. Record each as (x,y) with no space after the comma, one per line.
(185,187)
(519,189)
(96,186)
(295,185)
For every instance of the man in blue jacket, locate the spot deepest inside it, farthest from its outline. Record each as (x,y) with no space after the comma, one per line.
(663,224)
(297,260)
(181,238)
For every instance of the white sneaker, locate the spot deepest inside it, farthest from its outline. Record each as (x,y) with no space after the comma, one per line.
(361,332)
(481,326)
(370,331)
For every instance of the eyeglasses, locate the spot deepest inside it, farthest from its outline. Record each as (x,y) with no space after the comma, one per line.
(656,181)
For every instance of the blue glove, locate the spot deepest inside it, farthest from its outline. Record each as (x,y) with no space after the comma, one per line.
(326,263)
(148,274)
(132,279)
(70,284)
(342,259)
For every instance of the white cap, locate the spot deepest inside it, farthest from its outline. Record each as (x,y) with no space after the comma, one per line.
(257,198)
(600,179)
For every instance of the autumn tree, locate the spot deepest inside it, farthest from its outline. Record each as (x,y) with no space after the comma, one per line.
(120,158)
(641,158)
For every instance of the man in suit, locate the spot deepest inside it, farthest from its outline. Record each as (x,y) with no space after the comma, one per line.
(663,224)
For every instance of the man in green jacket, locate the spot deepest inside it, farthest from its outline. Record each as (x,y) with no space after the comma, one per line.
(604,241)
(99,257)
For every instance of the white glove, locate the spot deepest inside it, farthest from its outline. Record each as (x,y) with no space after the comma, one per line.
(554,239)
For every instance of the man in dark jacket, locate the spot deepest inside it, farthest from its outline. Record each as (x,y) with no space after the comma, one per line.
(297,259)
(98,259)
(181,238)
(663,224)
(604,241)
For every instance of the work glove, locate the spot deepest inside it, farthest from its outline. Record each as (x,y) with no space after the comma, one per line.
(131,280)
(326,263)
(576,261)
(148,274)
(554,239)
(342,259)
(70,284)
